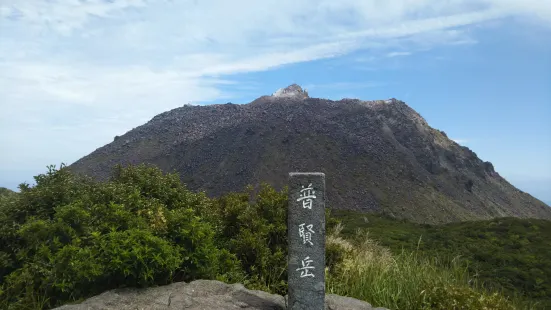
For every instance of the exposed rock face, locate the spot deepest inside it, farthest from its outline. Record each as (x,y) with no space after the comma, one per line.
(201,295)
(291,91)
(378,156)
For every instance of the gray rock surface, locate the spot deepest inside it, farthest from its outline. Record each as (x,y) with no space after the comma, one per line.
(293,91)
(199,295)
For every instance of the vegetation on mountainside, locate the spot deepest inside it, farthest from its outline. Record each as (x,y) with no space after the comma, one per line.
(509,254)
(407,280)
(5,191)
(68,238)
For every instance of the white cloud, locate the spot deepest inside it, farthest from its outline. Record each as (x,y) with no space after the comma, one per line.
(75,73)
(63,16)
(398,54)
(343,85)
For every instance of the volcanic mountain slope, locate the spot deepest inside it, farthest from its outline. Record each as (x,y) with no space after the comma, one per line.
(378,156)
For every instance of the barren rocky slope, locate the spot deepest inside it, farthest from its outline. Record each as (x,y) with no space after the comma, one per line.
(378,156)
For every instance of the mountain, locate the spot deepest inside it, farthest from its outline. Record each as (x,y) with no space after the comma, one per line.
(378,156)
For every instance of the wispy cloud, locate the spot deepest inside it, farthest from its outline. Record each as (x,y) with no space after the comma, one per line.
(365,59)
(344,85)
(97,68)
(397,54)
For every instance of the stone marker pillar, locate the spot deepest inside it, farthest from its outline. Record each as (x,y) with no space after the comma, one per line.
(306,237)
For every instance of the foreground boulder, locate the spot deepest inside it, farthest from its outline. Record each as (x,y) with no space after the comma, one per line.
(201,294)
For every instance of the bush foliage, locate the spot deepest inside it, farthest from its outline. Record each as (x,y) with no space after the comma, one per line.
(68,238)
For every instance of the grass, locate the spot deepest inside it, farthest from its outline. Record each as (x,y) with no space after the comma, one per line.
(408,280)
(505,255)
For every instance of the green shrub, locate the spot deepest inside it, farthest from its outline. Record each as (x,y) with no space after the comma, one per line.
(254,227)
(69,237)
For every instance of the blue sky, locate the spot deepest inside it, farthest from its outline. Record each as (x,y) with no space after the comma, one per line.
(73,74)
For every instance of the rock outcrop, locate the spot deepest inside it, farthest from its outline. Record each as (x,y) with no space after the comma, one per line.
(201,295)
(291,91)
(378,156)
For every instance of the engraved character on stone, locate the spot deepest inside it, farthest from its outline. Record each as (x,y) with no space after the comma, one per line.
(306,234)
(306,196)
(305,269)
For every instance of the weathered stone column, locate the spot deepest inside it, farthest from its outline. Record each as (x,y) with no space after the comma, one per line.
(306,237)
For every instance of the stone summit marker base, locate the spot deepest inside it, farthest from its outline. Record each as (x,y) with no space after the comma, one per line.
(306,237)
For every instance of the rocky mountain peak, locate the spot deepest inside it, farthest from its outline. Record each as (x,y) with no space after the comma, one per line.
(381,156)
(293,90)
